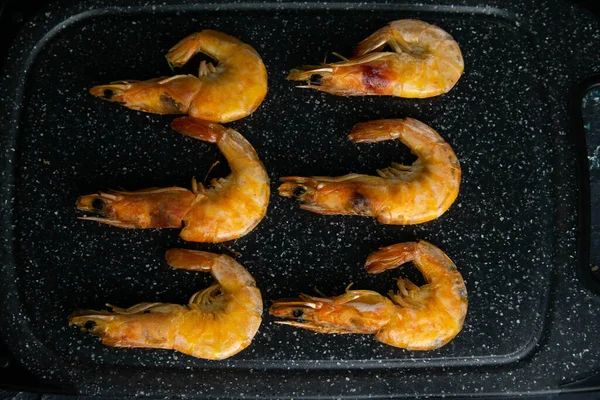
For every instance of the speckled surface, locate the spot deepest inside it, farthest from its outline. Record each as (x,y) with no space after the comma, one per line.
(511,231)
(590,108)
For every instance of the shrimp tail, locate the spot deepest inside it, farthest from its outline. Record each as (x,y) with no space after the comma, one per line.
(376,131)
(200,42)
(185,49)
(389,36)
(390,257)
(198,129)
(191,260)
(375,42)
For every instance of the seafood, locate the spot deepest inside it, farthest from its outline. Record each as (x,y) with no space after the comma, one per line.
(231,90)
(218,322)
(229,209)
(400,194)
(424,62)
(414,318)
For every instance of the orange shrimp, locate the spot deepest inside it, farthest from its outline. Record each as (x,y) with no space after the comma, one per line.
(231,208)
(218,322)
(400,194)
(231,90)
(414,318)
(425,62)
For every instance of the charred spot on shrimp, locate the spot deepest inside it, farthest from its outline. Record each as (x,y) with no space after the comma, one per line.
(359,203)
(163,218)
(170,104)
(374,78)
(298,313)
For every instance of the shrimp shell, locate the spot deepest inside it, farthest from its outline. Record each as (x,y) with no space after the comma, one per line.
(229,209)
(231,90)
(425,62)
(400,194)
(218,322)
(414,318)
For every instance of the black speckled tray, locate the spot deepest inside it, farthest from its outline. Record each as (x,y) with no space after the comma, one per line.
(509,232)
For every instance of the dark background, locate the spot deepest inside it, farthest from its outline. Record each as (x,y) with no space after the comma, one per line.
(15,13)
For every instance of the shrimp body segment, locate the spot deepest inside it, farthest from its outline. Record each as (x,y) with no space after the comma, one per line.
(414,318)
(425,61)
(231,90)
(218,322)
(400,194)
(229,209)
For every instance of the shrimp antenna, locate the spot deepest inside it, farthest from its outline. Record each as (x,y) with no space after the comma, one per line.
(341,57)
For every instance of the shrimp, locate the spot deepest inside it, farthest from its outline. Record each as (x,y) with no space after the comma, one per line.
(414,318)
(400,194)
(425,62)
(231,90)
(218,322)
(231,208)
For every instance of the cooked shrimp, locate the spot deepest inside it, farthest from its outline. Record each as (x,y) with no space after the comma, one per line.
(416,318)
(231,208)
(425,62)
(400,194)
(231,90)
(218,322)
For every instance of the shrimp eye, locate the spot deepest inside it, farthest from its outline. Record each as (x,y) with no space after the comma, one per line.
(107,94)
(98,204)
(89,325)
(299,191)
(297,313)
(315,79)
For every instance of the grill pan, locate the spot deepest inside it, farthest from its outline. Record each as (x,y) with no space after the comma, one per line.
(512,231)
